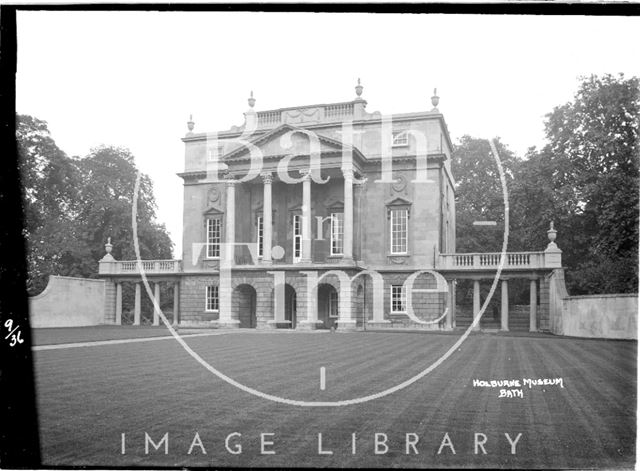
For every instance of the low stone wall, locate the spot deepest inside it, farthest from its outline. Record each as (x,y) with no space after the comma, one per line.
(612,316)
(609,316)
(69,302)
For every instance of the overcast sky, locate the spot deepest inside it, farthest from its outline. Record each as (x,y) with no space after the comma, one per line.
(132,78)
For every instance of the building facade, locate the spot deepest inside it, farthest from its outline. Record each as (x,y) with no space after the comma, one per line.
(355,200)
(328,216)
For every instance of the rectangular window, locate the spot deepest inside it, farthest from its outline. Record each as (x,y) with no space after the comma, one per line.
(398,228)
(297,238)
(212,304)
(337,232)
(400,139)
(213,237)
(398,299)
(260,232)
(333,304)
(216,152)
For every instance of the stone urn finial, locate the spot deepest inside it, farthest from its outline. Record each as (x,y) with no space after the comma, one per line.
(359,89)
(551,233)
(251,100)
(190,123)
(108,247)
(435,99)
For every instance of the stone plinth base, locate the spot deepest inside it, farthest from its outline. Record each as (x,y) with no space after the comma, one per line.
(378,324)
(229,324)
(273,324)
(346,326)
(309,325)
(197,325)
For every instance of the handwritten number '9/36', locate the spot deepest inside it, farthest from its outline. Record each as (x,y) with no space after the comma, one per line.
(15,337)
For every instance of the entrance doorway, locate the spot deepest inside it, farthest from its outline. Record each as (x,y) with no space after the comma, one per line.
(290,305)
(244,302)
(328,300)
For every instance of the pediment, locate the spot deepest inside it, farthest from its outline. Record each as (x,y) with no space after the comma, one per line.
(333,202)
(287,139)
(398,201)
(212,211)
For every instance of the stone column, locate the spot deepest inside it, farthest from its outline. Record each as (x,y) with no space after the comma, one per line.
(225,290)
(476,301)
(357,216)
(347,249)
(504,312)
(156,302)
(176,300)
(266,219)
(136,306)
(454,295)
(451,299)
(311,322)
(230,224)
(345,311)
(533,304)
(278,299)
(118,303)
(306,218)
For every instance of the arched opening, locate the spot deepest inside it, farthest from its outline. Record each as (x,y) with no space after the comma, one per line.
(244,304)
(290,305)
(328,300)
(359,306)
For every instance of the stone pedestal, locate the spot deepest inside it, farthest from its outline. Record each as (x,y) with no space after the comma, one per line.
(309,325)
(229,324)
(346,325)
(278,324)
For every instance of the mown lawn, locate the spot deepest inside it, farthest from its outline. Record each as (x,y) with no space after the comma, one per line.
(88,397)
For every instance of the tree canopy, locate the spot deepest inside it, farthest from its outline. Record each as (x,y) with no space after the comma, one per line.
(72,205)
(585,179)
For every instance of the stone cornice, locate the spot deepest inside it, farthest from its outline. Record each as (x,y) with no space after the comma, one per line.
(372,119)
(194,175)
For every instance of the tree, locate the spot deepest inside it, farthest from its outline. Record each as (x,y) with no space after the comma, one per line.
(106,199)
(72,205)
(49,179)
(594,144)
(479,195)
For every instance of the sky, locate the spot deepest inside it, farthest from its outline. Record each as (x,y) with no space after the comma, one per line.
(132,79)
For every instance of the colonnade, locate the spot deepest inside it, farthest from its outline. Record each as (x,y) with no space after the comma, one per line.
(267,231)
(267,211)
(504,305)
(138,299)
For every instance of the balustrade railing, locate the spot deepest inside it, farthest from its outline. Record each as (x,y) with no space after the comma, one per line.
(266,118)
(338,110)
(326,112)
(150,267)
(479,261)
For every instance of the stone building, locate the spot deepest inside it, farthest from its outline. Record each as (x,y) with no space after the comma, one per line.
(324,216)
(317,200)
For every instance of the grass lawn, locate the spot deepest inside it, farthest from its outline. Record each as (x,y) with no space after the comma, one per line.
(59,335)
(88,396)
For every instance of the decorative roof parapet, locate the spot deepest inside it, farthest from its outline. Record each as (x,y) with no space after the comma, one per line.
(311,114)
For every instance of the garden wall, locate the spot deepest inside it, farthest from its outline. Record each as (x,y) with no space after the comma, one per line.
(609,316)
(69,302)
